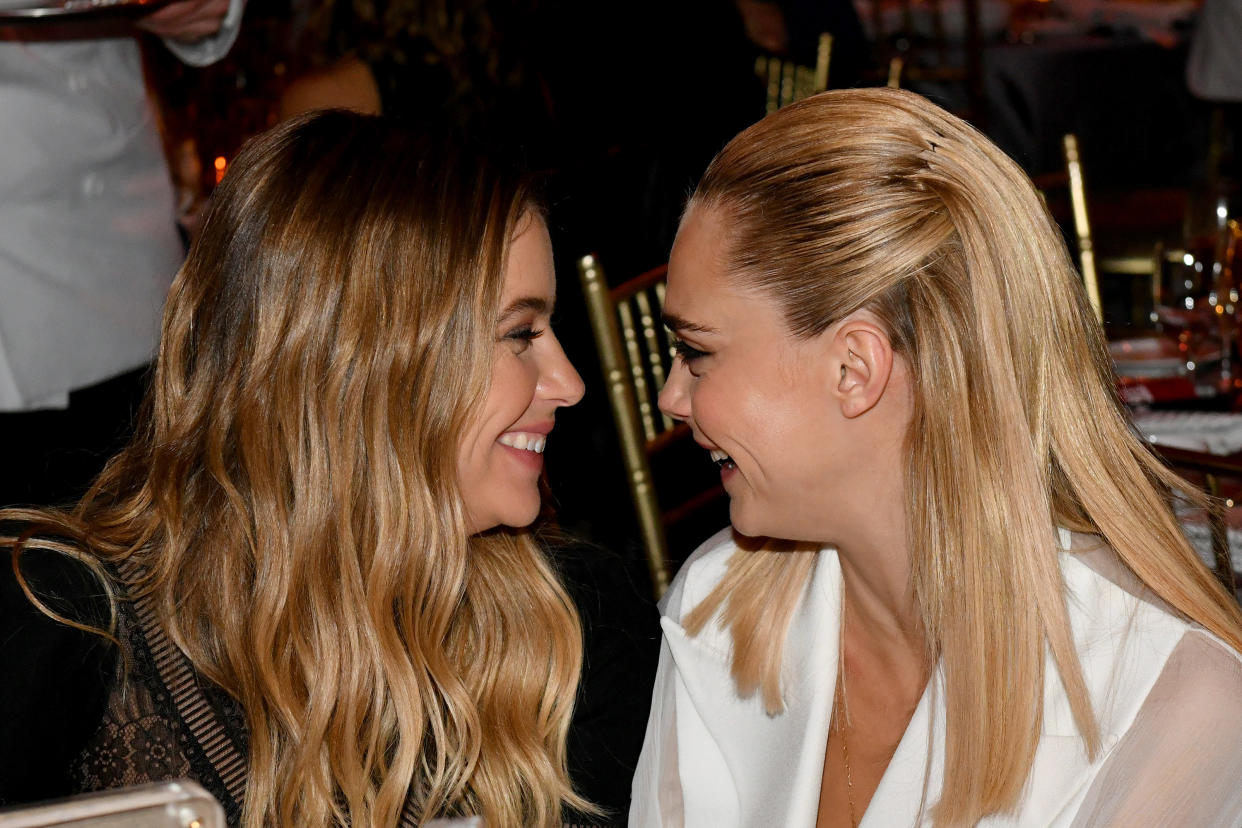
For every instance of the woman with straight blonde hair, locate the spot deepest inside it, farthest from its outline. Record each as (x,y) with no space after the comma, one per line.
(955,591)
(309,570)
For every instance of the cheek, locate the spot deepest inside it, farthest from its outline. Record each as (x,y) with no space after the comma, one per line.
(776,432)
(733,411)
(513,389)
(709,409)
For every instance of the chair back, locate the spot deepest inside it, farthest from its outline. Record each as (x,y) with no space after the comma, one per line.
(928,44)
(1065,195)
(787,81)
(636,356)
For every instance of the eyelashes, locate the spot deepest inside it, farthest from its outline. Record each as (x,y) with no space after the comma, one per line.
(522,337)
(687,352)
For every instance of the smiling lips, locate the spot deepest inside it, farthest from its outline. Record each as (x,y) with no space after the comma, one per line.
(525,440)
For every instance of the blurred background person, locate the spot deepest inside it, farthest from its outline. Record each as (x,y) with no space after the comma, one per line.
(1214,74)
(88,236)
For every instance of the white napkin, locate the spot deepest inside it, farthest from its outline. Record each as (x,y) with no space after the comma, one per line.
(1209,431)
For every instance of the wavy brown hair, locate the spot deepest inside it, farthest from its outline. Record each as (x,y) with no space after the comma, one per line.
(292,495)
(877,199)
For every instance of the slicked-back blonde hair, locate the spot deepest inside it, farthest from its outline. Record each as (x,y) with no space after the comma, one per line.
(292,493)
(878,199)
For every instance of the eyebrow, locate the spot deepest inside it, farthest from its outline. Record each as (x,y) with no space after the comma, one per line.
(676,323)
(526,303)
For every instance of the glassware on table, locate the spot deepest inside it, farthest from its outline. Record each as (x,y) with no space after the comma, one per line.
(1197,303)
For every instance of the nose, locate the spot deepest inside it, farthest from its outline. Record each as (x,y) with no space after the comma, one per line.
(674,397)
(559,381)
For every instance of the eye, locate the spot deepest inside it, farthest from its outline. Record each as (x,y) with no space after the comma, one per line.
(688,353)
(520,338)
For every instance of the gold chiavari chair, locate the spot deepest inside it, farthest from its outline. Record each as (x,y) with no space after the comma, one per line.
(1082,224)
(1122,239)
(636,356)
(1071,184)
(788,81)
(914,45)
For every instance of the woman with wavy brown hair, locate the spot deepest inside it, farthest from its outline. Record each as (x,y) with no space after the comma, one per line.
(955,591)
(318,596)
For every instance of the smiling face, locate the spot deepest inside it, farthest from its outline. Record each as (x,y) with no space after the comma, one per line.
(501,453)
(754,394)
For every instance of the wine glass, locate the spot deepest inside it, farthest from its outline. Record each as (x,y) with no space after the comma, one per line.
(1197,303)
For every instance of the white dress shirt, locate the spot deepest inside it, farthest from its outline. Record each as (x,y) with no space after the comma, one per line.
(88,239)
(1167,695)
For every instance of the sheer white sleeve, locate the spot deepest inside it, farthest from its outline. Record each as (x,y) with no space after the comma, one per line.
(1180,763)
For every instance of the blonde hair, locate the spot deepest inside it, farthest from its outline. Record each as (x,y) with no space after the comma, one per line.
(292,494)
(878,199)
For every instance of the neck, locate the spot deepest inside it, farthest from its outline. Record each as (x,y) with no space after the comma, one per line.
(879,603)
(869,530)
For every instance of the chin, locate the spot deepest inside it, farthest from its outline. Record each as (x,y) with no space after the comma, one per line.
(747,523)
(510,516)
(743,523)
(523,517)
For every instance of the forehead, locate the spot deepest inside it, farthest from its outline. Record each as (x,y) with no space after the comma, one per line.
(529,270)
(699,285)
(706,304)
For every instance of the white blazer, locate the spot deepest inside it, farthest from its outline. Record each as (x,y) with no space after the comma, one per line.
(712,758)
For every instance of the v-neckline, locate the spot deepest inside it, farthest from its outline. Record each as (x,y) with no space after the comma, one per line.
(910,747)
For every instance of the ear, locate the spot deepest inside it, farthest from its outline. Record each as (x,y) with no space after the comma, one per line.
(862,358)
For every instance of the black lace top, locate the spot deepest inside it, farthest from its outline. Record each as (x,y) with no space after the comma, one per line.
(77,717)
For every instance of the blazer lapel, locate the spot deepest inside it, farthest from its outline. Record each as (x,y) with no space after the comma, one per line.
(738,765)
(899,799)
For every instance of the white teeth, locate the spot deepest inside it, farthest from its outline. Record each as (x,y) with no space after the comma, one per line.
(718,455)
(525,441)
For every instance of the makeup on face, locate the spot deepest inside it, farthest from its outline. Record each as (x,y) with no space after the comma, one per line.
(501,454)
(755,397)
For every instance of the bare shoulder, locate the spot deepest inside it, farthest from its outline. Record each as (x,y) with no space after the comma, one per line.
(1203,679)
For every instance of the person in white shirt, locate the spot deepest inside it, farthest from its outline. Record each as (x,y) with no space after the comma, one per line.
(88,234)
(1214,74)
(954,591)
(1214,68)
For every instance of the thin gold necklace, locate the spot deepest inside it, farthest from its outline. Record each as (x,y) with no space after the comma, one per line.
(842,718)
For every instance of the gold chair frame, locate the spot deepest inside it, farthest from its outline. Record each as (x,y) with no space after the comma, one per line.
(895,67)
(1075,183)
(1082,224)
(788,81)
(617,339)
